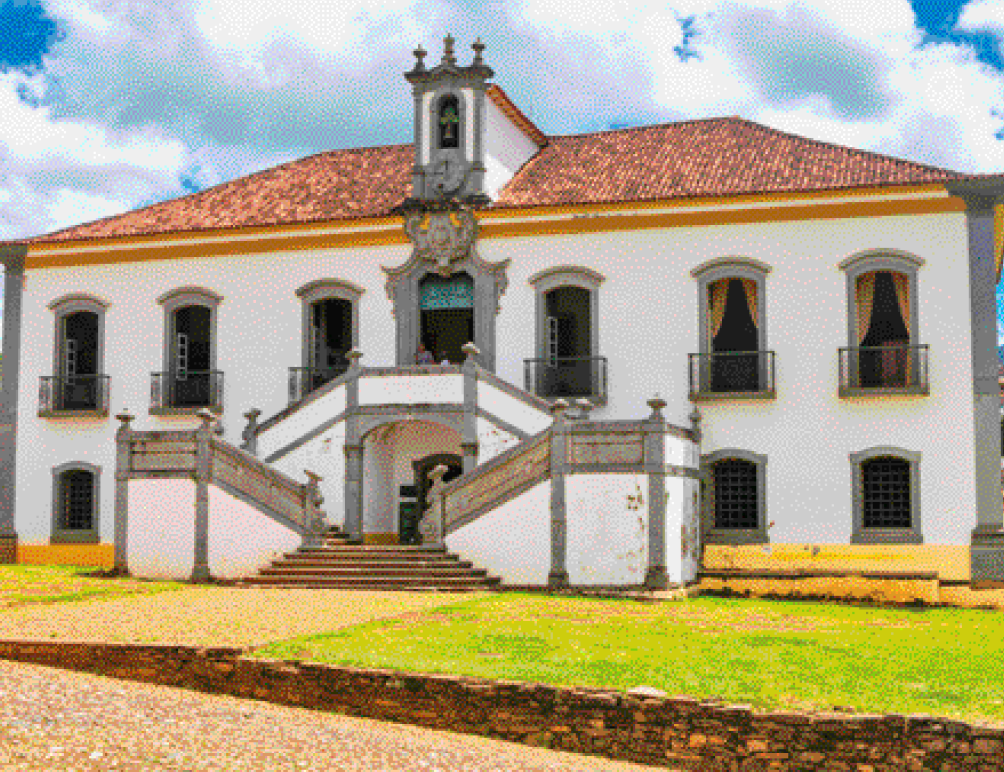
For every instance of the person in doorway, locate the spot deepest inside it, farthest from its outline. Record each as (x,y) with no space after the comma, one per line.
(424,356)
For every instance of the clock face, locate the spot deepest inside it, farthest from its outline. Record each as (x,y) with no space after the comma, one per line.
(448,174)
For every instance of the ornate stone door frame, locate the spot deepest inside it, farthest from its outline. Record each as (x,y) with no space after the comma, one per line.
(444,244)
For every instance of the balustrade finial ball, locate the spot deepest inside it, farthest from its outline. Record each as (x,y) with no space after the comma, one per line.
(437,472)
(125,416)
(470,350)
(559,406)
(584,405)
(657,403)
(252,414)
(205,415)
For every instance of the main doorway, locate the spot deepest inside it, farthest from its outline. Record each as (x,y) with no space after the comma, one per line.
(446,308)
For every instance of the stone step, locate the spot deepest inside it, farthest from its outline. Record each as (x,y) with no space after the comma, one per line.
(372,564)
(337,571)
(356,554)
(374,582)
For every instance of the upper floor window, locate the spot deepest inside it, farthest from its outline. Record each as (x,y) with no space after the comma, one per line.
(75,503)
(190,379)
(883,351)
(330,314)
(886,496)
(568,361)
(733,358)
(78,383)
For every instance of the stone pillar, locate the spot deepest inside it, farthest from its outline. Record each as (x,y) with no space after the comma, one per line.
(123,469)
(250,433)
(585,407)
(432,526)
(203,474)
(353,450)
(987,548)
(13,257)
(655,468)
(558,576)
(469,438)
(315,523)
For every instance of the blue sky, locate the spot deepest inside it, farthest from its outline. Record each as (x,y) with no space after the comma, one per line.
(110,105)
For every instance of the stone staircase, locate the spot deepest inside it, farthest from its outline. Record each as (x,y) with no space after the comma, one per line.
(340,563)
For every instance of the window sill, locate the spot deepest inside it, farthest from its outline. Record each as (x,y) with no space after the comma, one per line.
(848,392)
(721,396)
(75,537)
(183,411)
(81,413)
(887,536)
(739,536)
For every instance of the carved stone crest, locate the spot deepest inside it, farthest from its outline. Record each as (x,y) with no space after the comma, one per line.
(442,237)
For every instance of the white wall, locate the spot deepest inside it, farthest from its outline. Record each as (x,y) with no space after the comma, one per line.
(242,540)
(411,390)
(607,528)
(512,542)
(324,456)
(161,532)
(511,410)
(648,323)
(492,440)
(304,420)
(507,148)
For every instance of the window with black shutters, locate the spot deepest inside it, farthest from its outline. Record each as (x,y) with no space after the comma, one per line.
(886,493)
(736,494)
(76,501)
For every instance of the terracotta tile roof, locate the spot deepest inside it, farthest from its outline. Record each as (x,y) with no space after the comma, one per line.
(690,159)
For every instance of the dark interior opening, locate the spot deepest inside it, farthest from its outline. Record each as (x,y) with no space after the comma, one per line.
(887,329)
(567,370)
(78,386)
(191,358)
(735,372)
(330,339)
(447,316)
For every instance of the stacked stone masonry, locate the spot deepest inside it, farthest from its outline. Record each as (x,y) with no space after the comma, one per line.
(677,732)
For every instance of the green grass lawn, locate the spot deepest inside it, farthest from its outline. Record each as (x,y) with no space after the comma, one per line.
(770,654)
(26,585)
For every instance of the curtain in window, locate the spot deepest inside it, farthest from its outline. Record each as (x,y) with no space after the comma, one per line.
(902,284)
(864,292)
(719,293)
(749,286)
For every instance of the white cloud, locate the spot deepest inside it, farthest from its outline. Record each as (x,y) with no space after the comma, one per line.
(137,93)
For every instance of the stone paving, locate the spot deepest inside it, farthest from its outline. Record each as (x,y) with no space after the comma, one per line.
(213,616)
(74,722)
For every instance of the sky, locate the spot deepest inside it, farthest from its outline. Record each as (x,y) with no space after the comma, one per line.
(107,105)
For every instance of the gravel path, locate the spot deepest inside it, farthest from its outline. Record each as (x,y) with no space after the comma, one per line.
(213,616)
(76,722)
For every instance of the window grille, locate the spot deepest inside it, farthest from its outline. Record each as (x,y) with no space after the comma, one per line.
(886,495)
(736,494)
(76,501)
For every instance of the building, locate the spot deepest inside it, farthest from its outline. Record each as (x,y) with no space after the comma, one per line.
(829,312)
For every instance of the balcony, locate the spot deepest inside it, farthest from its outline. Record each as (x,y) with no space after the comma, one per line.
(73,395)
(183,393)
(884,370)
(732,375)
(555,377)
(303,380)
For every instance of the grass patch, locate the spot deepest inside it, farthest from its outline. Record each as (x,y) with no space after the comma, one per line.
(30,585)
(771,654)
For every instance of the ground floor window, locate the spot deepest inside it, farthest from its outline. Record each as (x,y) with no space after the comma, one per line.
(886,483)
(735,497)
(75,503)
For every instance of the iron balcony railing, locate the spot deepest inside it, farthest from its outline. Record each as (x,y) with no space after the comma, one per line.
(73,393)
(194,388)
(303,380)
(554,377)
(895,368)
(722,373)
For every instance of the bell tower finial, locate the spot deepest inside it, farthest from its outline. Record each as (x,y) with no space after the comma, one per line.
(448,56)
(478,48)
(419,58)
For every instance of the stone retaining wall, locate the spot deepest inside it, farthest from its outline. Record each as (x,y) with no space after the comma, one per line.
(679,732)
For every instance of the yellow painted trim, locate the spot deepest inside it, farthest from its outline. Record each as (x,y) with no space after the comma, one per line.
(596,224)
(380,538)
(216,249)
(731,217)
(684,203)
(999,238)
(97,555)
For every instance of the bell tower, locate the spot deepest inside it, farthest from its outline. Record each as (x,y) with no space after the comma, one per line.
(449,129)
